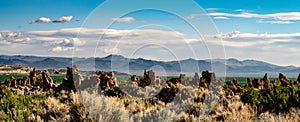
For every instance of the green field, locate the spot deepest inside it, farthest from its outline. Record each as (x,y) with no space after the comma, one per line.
(3,77)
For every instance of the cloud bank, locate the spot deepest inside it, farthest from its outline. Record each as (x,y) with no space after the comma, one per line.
(157,44)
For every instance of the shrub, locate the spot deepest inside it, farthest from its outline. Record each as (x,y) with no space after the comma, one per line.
(274,98)
(19,107)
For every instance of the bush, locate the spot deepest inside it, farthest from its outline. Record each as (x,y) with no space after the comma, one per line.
(274,98)
(19,107)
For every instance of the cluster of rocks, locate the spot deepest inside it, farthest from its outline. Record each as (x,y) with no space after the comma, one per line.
(33,84)
(106,83)
(103,80)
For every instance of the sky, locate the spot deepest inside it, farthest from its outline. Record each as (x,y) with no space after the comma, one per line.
(265,30)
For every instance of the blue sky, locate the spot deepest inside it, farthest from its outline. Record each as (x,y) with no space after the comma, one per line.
(265,30)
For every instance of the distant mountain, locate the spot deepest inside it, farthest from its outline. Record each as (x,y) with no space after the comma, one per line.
(122,64)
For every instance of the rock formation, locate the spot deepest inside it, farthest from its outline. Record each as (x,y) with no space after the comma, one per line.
(195,80)
(184,79)
(47,82)
(284,80)
(33,75)
(206,79)
(168,93)
(149,76)
(107,80)
(68,82)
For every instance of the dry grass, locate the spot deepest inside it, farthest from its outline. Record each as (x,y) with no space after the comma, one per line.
(56,110)
(292,116)
(104,109)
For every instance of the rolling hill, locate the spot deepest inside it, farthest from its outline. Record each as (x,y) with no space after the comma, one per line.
(120,63)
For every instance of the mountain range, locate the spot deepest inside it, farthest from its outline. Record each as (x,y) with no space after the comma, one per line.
(232,67)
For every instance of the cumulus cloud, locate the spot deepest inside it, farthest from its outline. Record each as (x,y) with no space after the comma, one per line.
(41,20)
(63,19)
(13,37)
(66,44)
(229,35)
(112,51)
(48,20)
(124,19)
(60,48)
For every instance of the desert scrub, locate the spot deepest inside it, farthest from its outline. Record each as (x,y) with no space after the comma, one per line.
(103,108)
(158,114)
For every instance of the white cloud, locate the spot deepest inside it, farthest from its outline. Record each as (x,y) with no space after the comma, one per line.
(274,22)
(274,18)
(112,51)
(60,49)
(229,35)
(238,39)
(212,9)
(66,44)
(277,16)
(240,10)
(41,20)
(221,18)
(63,19)
(124,19)
(13,37)
(48,20)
